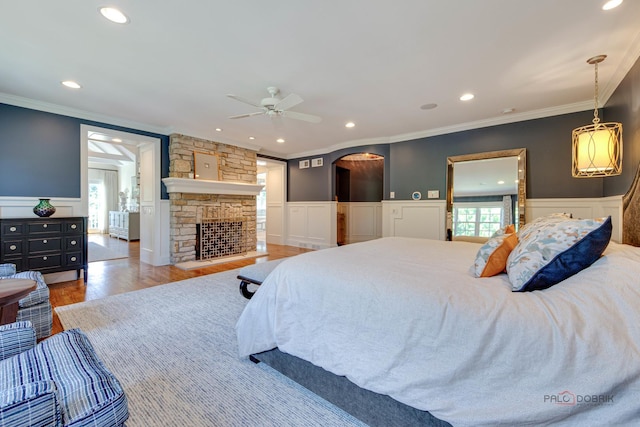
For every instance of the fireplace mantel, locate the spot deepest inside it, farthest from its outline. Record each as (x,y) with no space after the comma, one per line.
(203,186)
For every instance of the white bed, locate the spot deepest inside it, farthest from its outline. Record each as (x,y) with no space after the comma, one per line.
(407,318)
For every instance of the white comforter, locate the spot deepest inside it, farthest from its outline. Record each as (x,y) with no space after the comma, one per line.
(406,318)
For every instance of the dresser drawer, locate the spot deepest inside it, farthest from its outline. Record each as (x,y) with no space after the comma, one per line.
(45,227)
(74,227)
(45,245)
(45,261)
(17,261)
(12,229)
(73,259)
(11,247)
(73,243)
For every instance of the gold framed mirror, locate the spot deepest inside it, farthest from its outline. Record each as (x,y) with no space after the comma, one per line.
(485,176)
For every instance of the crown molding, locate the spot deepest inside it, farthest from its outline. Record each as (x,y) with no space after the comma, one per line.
(494,121)
(33,104)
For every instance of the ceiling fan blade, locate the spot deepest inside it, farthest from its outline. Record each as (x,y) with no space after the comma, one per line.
(288,101)
(240,116)
(302,116)
(246,101)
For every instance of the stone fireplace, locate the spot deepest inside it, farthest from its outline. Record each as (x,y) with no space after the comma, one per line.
(193,201)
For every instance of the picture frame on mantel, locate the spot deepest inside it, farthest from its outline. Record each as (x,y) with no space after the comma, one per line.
(205,166)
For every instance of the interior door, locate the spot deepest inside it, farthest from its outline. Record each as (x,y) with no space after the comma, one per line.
(149,198)
(276,200)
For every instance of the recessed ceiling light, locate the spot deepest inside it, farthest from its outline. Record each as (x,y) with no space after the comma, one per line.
(252,137)
(114,15)
(349,125)
(467,97)
(428,106)
(280,140)
(611,4)
(71,84)
(500,182)
(508,110)
(116,140)
(218,130)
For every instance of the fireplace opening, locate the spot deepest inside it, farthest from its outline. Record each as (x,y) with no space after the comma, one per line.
(221,237)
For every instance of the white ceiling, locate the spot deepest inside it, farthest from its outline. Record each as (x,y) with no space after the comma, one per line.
(374,63)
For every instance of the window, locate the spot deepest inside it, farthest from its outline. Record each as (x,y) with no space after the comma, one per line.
(476,219)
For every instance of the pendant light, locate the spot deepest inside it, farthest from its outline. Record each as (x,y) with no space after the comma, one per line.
(597,148)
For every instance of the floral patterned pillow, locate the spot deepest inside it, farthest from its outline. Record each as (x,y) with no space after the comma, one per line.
(548,219)
(492,256)
(555,249)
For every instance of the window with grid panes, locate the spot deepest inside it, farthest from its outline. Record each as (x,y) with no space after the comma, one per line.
(474,219)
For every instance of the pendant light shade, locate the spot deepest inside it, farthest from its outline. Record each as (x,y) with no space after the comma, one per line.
(597,148)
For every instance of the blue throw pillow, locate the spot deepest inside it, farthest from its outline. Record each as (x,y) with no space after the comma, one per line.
(556,250)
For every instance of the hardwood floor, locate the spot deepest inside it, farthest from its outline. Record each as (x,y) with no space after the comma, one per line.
(117,276)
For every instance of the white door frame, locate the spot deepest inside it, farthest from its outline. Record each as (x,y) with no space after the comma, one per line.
(154,253)
(276,225)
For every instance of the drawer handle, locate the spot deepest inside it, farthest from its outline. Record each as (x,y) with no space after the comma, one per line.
(12,229)
(44,258)
(73,242)
(44,225)
(44,241)
(13,247)
(73,226)
(73,258)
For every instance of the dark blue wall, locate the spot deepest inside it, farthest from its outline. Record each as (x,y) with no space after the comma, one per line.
(624,107)
(40,153)
(420,165)
(318,184)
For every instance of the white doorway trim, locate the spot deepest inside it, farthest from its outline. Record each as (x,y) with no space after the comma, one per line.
(155,254)
(276,187)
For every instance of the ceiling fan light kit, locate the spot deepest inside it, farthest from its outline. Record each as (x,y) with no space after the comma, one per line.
(273,106)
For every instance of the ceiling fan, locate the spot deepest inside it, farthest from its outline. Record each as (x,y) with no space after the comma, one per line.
(273,106)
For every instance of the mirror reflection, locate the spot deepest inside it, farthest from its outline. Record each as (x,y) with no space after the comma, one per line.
(485,191)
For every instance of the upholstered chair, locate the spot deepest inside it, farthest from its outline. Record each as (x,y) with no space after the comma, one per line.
(36,306)
(58,382)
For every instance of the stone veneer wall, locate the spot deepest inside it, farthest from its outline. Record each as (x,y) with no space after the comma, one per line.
(234,164)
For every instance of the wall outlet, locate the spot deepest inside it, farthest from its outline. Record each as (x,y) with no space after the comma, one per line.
(433,194)
(392,195)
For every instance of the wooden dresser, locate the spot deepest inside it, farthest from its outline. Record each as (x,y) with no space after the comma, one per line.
(47,245)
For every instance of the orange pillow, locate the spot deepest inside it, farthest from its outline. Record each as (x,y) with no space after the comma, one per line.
(492,256)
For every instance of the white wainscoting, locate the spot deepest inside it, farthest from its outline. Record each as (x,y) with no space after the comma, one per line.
(22,207)
(414,218)
(363,220)
(580,208)
(312,224)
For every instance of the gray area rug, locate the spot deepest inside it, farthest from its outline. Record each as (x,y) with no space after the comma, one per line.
(96,252)
(173,347)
